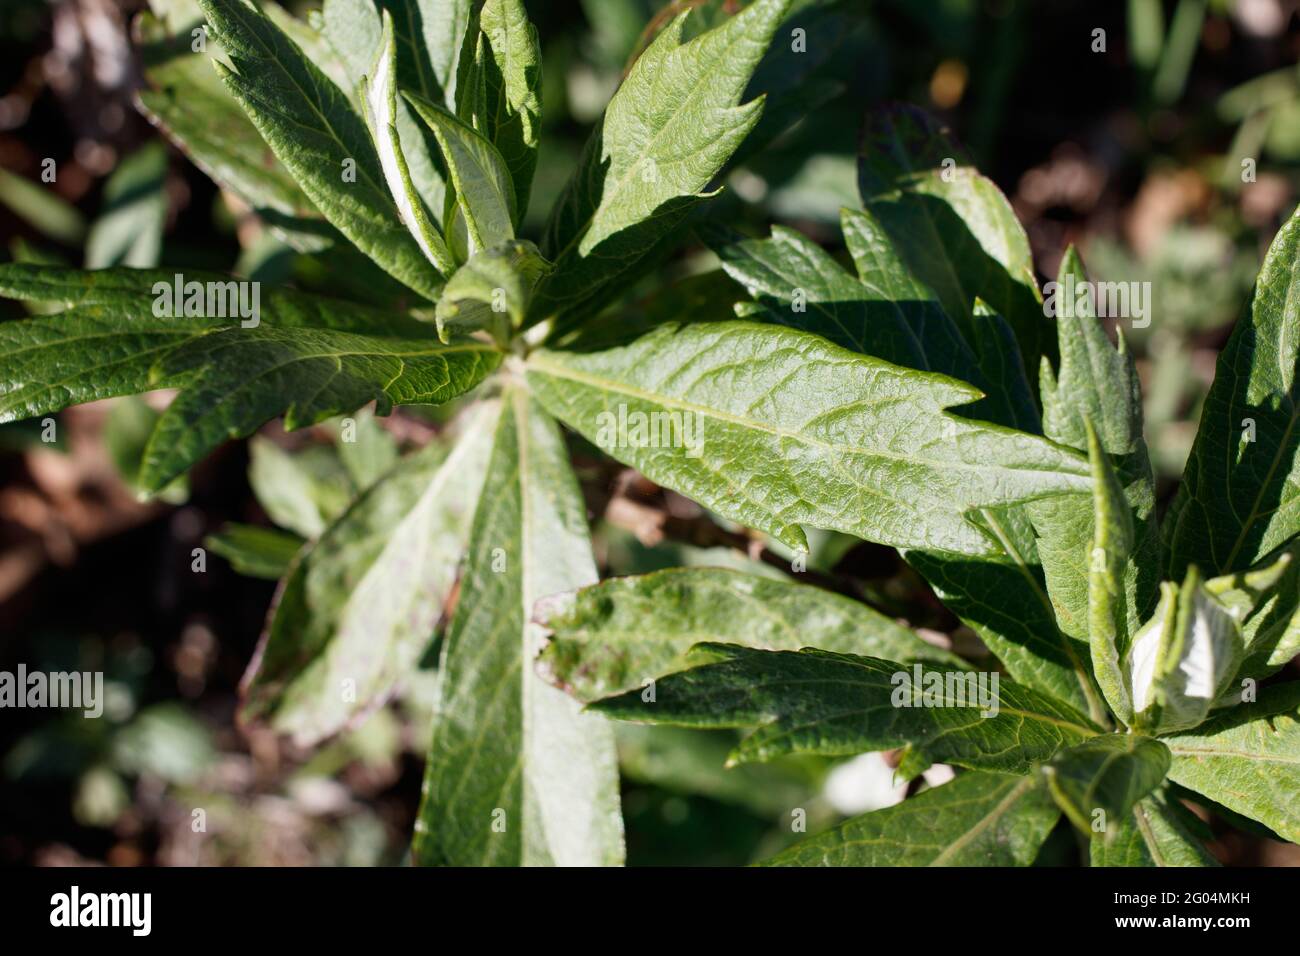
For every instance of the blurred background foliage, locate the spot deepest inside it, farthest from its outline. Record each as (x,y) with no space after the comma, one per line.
(1170,155)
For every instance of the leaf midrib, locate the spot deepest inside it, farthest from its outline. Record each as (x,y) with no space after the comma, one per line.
(985,822)
(540,364)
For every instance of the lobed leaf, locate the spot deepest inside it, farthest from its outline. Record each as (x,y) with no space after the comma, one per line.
(1240,496)
(314,131)
(1097,383)
(516,773)
(795,430)
(671,126)
(362,603)
(615,635)
(1248,759)
(820,702)
(952,226)
(238,379)
(978,819)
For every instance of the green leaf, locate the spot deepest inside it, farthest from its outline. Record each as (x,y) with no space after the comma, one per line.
(1184,659)
(883,312)
(1240,496)
(311,127)
(238,379)
(380,103)
(43,208)
(813,701)
(317,48)
(362,603)
(952,225)
(1096,383)
(503,98)
(101,347)
(516,773)
(485,196)
(354,29)
(692,762)
(1003,598)
(1151,834)
(1266,602)
(129,229)
(126,433)
(1248,759)
(253,551)
(790,429)
(978,819)
(671,126)
(429,38)
(888,314)
(1111,551)
(615,635)
(492,290)
(307,356)
(189,104)
(366,448)
(301,491)
(1100,780)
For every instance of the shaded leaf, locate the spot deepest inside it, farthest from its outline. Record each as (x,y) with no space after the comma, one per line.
(978,819)
(302,491)
(671,126)
(1003,598)
(1153,833)
(1240,496)
(484,193)
(362,603)
(311,127)
(254,551)
(1100,780)
(1266,603)
(187,101)
(820,702)
(503,96)
(129,229)
(1110,554)
(380,104)
(952,225)
(615,635)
